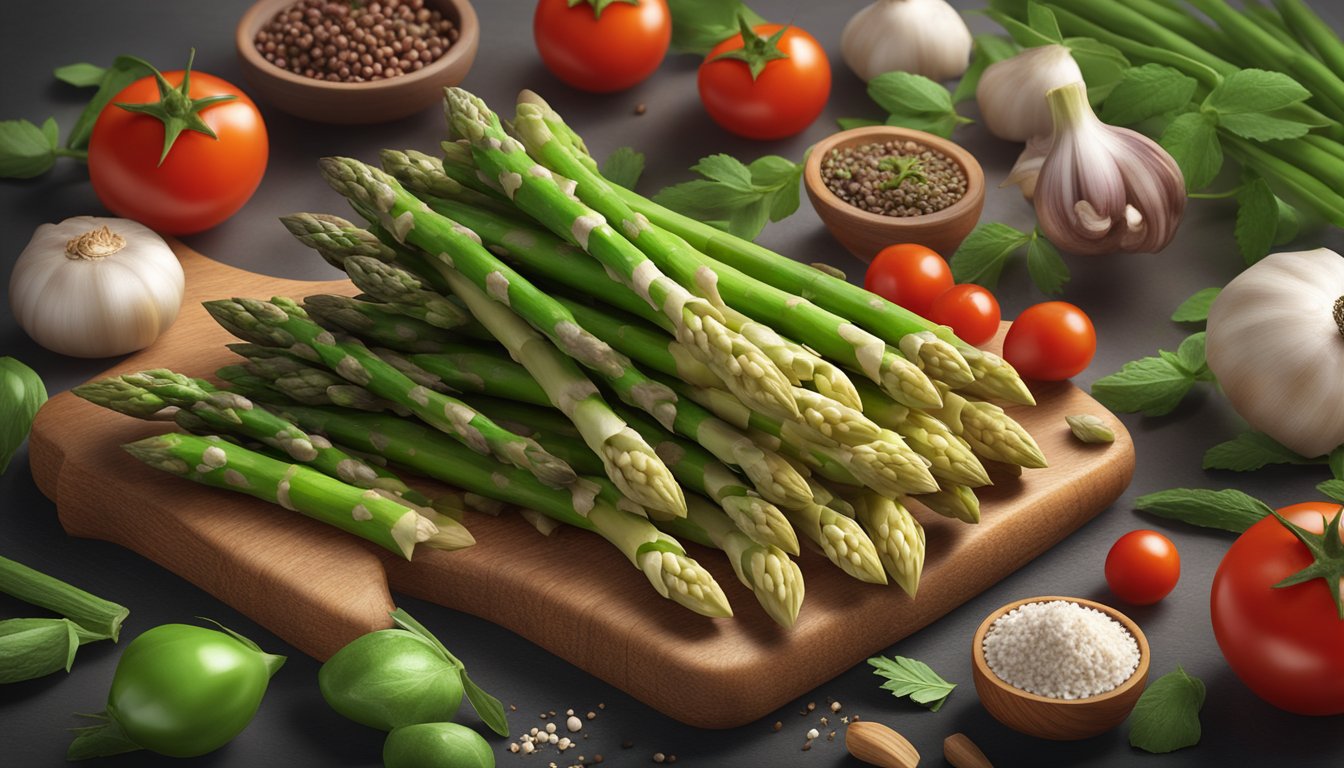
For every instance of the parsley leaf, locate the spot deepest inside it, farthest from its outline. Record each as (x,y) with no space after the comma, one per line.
(699,25)
(913,679)
(624,166)
(1192,141)
(1145,92)
(1167,715)
(1227,510)
(1154,386)
(1196,308)
(1333,489)
(986,50)
(1250,451)
(737,198)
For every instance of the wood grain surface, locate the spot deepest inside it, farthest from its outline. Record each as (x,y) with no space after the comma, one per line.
(572,594)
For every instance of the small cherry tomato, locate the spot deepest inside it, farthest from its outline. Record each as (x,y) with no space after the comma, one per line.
(783,97)
(910,275)
(971,310)
(1143,567)
(604,51)
(1050,342)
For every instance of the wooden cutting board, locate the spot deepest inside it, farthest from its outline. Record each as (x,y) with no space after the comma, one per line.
(573,594)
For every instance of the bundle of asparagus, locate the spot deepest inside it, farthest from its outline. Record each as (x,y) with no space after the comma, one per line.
(536,335)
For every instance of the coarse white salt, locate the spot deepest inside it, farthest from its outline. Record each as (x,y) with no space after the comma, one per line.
(1060,650)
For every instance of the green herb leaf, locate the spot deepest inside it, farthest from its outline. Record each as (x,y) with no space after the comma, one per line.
(1045,265)
(1153,386)
(913,679)
(1250,451)
(123,71)
(1334,489)
(624,166)
(1102,65)
(1145,92)
(1043,20)
(1336,462)
(601,5)
(735,197)
(80,75)
(1022,34)
(1257,220)
(938,125)
(1191,355)
(914,101)
(1288,224)
(34,648)
(1249,91)
(985,50)
(1192,141)
(1227,510)
(699,25)
(488,707)
(1258,127)
(21,394)
(1196,308)
(1167,716)
(25,150)
(847,123)
(725,169)
(983,253)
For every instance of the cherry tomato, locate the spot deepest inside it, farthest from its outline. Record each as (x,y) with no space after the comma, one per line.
(201,182)
(782,100)
(1285,643)
(602,53)
(1050,342)
(971,310)
(910,275)
(1143,567)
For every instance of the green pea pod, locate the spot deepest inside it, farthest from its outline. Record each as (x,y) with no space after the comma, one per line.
(487,706)
(21,394)
(33,648)
(391,678)
(179,690)
(448,744)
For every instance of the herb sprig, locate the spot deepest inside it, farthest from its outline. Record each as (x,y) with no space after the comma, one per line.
(1166,717)
(737,198)
(909,678)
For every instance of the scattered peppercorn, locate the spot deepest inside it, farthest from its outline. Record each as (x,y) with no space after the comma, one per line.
(777,726)
(659,757)
(894,178)
(640,109)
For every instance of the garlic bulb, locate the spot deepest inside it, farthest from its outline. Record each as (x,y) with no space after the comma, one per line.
(1276,343)
(924,37)
(96,287)
(1011,93)
(1028,166)
(1104,189)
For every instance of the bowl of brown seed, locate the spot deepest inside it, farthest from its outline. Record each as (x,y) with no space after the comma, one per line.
(881,185)
(356,61)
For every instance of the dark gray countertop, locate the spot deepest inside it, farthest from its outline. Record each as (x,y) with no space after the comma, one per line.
(1129,298)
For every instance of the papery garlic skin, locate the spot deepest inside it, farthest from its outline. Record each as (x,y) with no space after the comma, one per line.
(1027,169)
(923,37)
(1104,189)
(1275,342)
(96,287)
(1011,92)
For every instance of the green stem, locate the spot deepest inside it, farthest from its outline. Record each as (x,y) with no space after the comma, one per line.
(36,588)
(1312,30)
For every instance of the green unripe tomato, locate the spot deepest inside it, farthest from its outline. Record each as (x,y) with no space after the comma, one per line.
(184,691)
(391,678)
(437,744)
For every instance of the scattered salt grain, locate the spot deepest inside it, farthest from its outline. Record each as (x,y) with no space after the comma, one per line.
(1060,650)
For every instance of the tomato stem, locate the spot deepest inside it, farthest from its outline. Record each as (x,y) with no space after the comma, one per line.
(1327,551)
(756,51)
(600,5)
(176,109)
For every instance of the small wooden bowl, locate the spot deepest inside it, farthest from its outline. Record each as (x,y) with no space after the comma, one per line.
(1057,719)
(377,101)
(865,233)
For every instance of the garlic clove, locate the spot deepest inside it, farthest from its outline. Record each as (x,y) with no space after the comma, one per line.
(1028,166)
(1011,93)
(924,37)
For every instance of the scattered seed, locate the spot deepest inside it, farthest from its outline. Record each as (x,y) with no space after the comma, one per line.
(671,758)
(811,706)
(835,706)
(659,757)
(597,758)
(569,711)
(640,109)
(600,705)
(830,736)
(627,744)
(574,724)
(513,708)
(807,746)
(778,726)
(543,716)
(528,748)
(550,727)
(513,747)
(812,734)
(592,715)
(854,719)
(845,719)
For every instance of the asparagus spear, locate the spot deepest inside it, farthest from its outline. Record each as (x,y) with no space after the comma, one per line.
(751,375)
(899,538)
(954,501)
(952,459)
(282,323)
(221,464)
(300,381)
(467,369)
(664,562)
(992,433)
(401,292)
(375,324)
(841,540)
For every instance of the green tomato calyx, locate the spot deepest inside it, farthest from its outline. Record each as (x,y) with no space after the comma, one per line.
(1328,552)
(600,5)
(175,108)
(756,51)
(105,738)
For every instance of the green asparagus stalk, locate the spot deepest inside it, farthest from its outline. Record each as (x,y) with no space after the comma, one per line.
(663,561)
(401,292)
(92,613)
(899,538)
(751,375)
(467,369)
(375,324)
(991,433)
(282,323)
(841,539)
(301,381)
(954,501)
(216,462)
(644,344)
(951,458)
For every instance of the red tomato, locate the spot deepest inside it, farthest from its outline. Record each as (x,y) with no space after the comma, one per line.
(971,310)
(1050,342)
(1143,567)
(783,100)
(201,182)
(1285,643)
(910,275)
(603,53)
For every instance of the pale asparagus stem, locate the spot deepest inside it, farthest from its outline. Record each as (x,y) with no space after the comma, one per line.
(991,433)
(995,378)
(375,324)
(951,458)
(281,323)
(954,501)
(841,540)
(645,344)
(402,292)
(801,364)
(216,462)
(898,537)
(407,443)
(833,420)
(940,360)
(550,200)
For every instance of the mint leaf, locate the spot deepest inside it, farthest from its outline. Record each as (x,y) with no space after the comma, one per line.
(847,123)
(784,177)
(25,150)
(1167,716)
(1226,510)
(983,253)
(1145,92)
(1257,220)
(737,198)
(1043,20)
(1258,127)
(1333,489)
(1153,386)
(985,50)
(624,166)
(1045,265)
(1196,308)
(913,679)
(1102,65)
(1192,141)
(1248,91)
(1191,355)
(80,75)
(906,93)
(1250,451)
(699,25)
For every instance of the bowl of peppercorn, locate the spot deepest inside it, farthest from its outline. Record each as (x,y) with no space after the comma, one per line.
(881,185)
(356,61)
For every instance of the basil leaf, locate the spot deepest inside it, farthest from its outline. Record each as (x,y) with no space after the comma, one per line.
(1043,20)
(735,197)
(1191,355)
(906,93)
(1257,220)
(1166,718)
(25,149)
(33,648)
(938,125)
(1248,91)
(1192,141)
(21,394)
(1147,91)
(848,123)
(80,75)
(1333,489)
(913,679)
(983,253)
(124,71)
(1045,265)
(1196,308)
(986,50)
(1153,386)
(1250,451)
(1102,66)
(624,166)
(699,25)
(1227,510)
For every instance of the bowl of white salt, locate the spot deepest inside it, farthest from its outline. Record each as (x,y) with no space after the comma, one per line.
(1059,668)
